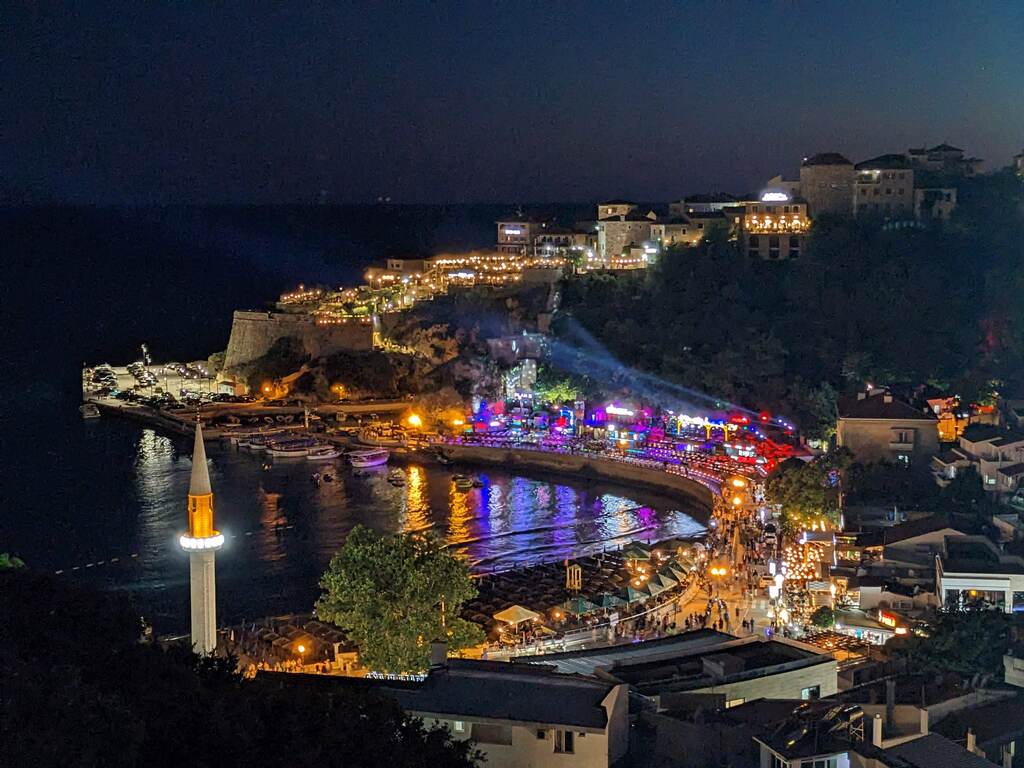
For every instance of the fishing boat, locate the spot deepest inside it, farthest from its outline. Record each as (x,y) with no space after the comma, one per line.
(463,484)
(292,449)
(260,442)
(369,458)
(89,411)
(323,453)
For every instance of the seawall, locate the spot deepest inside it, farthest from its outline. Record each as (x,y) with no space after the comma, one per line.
(254,333)
(584,467)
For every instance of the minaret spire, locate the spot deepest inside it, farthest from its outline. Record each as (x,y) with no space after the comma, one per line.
(202,542)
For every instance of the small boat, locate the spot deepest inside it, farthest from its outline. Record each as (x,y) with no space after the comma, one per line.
(456,476)
(370,458)
(89,411)
(323,453)
(291,449)
(396,478)
(463,484)
(260,442)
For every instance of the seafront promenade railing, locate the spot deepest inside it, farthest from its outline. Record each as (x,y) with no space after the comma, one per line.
(711,480)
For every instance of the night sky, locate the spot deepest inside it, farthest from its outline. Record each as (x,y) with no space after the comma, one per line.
(488,102)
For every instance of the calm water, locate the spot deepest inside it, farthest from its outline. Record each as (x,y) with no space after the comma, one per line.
(131,484)
(91,285)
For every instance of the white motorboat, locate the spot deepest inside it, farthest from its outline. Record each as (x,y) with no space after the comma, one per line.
(324,453)
(370,458)
(89,411)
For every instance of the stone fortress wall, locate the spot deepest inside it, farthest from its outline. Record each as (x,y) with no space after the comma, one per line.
(254,333)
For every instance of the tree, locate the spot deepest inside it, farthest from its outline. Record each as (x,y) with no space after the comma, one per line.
(824,617)
(393,595)
(808,491)
(969,642)
(80,689)
(10,562)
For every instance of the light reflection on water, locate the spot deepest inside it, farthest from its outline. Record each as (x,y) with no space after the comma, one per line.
(282,529)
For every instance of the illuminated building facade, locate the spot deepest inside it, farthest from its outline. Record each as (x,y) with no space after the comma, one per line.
(615,235)
(202,542)
(775,227)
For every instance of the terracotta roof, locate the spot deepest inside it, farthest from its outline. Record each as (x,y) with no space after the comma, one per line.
(876,407)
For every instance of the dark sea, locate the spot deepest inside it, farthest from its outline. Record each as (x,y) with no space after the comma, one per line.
(104,500)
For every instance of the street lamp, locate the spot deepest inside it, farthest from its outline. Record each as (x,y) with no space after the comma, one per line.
(832,591)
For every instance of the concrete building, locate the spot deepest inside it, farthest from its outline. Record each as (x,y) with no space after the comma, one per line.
(885,187)
(826,183)
(875,426)
(518,715)
(997,453)
(703,204)
(971,570)
(678,230)
(944,159)
(518,234)
(202,542)
(711,665)
(775,227)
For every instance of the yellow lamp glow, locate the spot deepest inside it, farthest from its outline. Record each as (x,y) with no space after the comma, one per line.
(414,420)
(302,649)
(739,482)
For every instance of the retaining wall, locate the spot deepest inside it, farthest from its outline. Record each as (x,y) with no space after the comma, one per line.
(583,467)
(254,333)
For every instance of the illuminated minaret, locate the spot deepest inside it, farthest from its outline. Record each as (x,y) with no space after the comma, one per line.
(202,542)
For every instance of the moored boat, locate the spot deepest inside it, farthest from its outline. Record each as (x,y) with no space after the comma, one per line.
(463,484)
(89,411)
(291,449)
(323,453)
(369,458)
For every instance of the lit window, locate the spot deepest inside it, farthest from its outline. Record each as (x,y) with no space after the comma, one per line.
(459,726)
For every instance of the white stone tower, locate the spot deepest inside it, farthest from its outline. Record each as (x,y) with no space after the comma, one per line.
(202,542)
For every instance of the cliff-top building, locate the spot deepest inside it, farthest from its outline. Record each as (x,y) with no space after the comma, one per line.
(885,186)
(826,183)
(775,227)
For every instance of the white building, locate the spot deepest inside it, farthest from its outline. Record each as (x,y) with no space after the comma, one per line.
(972,570)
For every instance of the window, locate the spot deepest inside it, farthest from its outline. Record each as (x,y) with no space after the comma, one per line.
(541,734)
(733,703)
(778,762)
(564,742)
(808,694)
(459,726)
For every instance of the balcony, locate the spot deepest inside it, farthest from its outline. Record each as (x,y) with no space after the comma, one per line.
(903,446)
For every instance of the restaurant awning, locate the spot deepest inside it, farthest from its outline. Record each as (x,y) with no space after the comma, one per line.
(634,595)
(577,606)
(608,600)
(516,614)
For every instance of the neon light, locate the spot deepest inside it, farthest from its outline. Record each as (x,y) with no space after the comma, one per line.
(618,411)
(774,197)
(207,542)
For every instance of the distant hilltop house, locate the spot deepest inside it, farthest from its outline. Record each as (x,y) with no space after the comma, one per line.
(875,426)
(996,452)
(918,185)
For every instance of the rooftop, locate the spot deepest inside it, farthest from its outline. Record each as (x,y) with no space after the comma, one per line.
(911,529)
(930,751)
(1013,470)
(945,148)
(884,162)
(585,662)
(715,198)
(826,158)
(744,658)
(976,554)
(880,405)
(496,690)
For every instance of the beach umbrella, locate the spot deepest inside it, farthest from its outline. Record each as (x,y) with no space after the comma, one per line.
(515,615)
(636,551)
(634,595)
(667,581)
(577,606)
(608,600)
(654,587)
